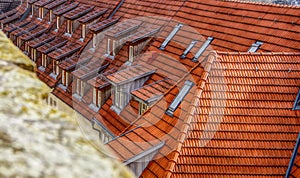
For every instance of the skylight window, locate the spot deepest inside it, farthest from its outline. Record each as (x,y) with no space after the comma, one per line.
(180,96)
(188,49)
(255,46)
(171,35)
(202,49)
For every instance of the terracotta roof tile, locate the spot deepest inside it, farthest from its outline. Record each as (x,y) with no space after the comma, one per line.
(23,30)
(55,4)
(91,16)
(98,27)
(7,14)
(152,91)
(51,46)
(123,28)
(12,27)
(42,3)
(44,39)
(247,134)
(129,74)
(66,8)
(78,12)
(295,172)
(34,33)
(65,51)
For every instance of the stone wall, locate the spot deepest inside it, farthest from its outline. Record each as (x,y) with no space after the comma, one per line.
(37,140)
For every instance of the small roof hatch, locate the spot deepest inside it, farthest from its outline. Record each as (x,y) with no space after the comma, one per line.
(188,49)
(171,35)
(202,49)
(255,46)
(180,96)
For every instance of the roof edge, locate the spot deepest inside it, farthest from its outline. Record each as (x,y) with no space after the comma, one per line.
(192,109)
(262,3)
(259,53)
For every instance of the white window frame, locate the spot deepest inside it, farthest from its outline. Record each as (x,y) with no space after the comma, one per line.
(83,31)
(33,54)
(51,15)
(94,40)
(69,26)
(95,96)
(55,67)
(57,22)
(131,53)
(44,60)
(142,108)
(108,50)
(82,86)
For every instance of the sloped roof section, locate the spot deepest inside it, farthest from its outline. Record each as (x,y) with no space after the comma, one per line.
(235,25)
(244,125)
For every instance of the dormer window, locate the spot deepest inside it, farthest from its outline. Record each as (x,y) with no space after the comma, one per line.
(124,82)
(117,36)
(88,20)
(33,54)
(75,14)
(138,41)
(99,27)
(100,96)
(44,61)
(96,97)
(55,69)
(149,94)
(41,12)
(61,11)
(69,27)
(65,78)
(142,107)
(80,87)
(53,6)
(131,54)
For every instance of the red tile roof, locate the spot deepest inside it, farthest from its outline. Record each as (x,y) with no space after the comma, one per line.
(25,29)
(51,46)
(55,4)
(66,8)
(42,3)
(252,135)
(44,39)
(91,16)
(65,51)
(244,125)
(78,12)
(236,25)
(100,26)
(12,27)
(130,74)
(153,91)
(34,33)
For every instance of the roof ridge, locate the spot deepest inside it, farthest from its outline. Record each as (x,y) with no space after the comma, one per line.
(191,111)
(257,53)
(262,3)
